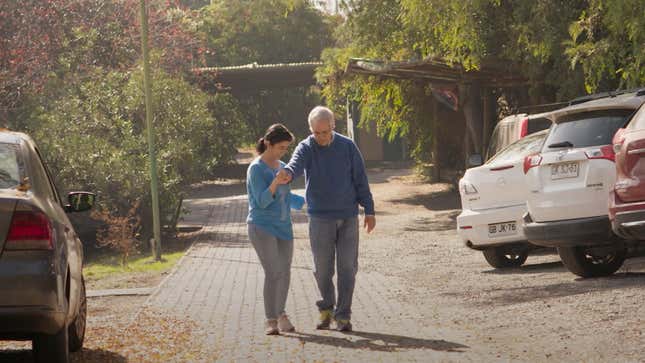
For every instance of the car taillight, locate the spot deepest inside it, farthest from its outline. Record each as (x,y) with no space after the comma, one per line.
(604,152)
(29,230)
(524,127)
(618,140)
(531,161)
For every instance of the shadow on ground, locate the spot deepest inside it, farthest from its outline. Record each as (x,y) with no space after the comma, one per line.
(437,201)
(224,239)
(519,295)
(85,355)
(537,268)
(437,223)
(380,342)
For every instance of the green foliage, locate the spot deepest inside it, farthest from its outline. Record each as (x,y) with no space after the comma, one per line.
(268,32)
(72,80)
(563,47)
(264,31)
(47,39)
(93,136)
(608,41)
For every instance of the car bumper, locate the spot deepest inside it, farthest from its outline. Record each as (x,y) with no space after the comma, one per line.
(630,224)
(31,294)
(571,232)
(472,226)
(627,219)
(22,322)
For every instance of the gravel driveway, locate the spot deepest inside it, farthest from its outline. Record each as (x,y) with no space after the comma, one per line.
(538,312)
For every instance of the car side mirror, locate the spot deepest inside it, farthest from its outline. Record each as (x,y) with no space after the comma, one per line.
(80,201)
(475,160)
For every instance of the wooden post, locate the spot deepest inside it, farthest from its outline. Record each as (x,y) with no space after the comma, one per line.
(471,94)
(436,157)
(489,117)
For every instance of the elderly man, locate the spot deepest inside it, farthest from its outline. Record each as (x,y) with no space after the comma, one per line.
(336,183)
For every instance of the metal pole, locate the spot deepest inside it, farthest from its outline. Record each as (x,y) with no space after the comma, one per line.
(156,249)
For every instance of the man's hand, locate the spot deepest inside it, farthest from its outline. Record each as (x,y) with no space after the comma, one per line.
(369,223)
(284,176)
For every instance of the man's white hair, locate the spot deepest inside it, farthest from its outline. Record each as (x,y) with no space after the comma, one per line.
(321,113)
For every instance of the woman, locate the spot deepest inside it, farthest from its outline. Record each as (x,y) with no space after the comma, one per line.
(269,223)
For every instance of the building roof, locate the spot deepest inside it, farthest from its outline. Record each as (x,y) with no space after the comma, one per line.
(257,76)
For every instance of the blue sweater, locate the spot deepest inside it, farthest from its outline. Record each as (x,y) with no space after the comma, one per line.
(270,212)
(335,178)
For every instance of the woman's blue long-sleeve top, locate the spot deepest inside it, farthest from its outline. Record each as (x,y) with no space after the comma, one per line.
(267,211)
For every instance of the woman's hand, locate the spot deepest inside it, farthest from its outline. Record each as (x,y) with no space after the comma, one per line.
(283,177)
(280,179)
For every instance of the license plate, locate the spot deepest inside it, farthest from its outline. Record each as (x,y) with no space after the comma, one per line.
(565,170)
(502,229)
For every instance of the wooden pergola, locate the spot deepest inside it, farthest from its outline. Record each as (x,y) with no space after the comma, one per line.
(496,74)
(473,90)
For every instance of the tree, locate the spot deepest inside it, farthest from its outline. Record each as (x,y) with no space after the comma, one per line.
(71,78)
(608,42)
(92,136)
(264,31)
(563,47)
(42,40)
(267,32)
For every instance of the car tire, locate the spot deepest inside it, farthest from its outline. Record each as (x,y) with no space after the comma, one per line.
(579,261)
(52,348)
(501,258)
(77,327)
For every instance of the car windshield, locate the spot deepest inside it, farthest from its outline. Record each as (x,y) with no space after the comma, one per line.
(520,148)
(586,129)
(10,170)
(501,137)
(538,124)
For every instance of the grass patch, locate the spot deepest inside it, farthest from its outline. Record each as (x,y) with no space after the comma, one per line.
(103,269)
(111,265)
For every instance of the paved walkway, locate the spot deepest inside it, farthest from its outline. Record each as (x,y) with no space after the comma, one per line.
(218,284)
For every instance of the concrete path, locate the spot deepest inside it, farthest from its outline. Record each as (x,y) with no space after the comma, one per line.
(218,285)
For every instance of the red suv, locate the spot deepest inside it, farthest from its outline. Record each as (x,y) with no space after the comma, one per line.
(627,197)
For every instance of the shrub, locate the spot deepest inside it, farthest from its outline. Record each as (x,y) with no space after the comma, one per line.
(93,136)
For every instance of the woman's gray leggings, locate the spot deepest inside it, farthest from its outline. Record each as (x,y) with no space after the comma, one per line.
(275,256)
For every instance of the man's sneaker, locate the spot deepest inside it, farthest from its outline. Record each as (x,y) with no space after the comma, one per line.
(271,327)
(325,319)
(284,324)
(343,325)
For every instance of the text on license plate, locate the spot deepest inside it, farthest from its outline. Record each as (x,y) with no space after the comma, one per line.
(565,170)
(502,229)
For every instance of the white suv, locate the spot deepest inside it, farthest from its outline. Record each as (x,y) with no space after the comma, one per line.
(569,182)
(493,200)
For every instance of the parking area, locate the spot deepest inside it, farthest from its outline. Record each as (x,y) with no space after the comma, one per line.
(537,312)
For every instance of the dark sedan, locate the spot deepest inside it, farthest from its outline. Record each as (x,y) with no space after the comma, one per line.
(42,292)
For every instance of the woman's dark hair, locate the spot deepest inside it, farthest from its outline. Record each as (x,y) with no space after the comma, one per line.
(275,133)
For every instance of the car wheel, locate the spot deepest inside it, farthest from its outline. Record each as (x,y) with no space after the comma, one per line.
(52,348)
(586,262)
(77,327)
(501,258)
